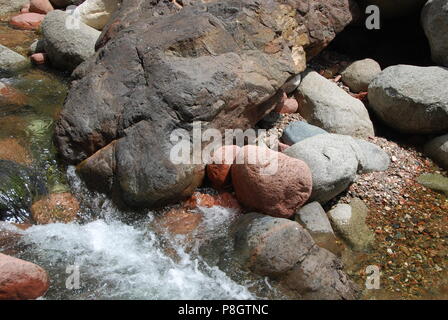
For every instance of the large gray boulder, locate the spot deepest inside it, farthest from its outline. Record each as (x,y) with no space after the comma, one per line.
(435,24)
(11,61)
(322,103)
(67,46)
(7,6)
(335,160)
(359,74)
(411,99)
(283,249)
(437,149)
(160,67)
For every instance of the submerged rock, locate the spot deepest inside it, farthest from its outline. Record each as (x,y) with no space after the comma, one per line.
(11,61)
(350,222)
(56,207)
(18,187)
(283,249)
(435,182)
(161,67)
(322,103)
(270,182)
(411,99)
(21,280)
(12,150)
(67,45)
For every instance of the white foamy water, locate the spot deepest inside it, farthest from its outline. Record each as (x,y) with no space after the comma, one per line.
(119,261)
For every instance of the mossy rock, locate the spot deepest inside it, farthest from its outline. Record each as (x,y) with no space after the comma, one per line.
(19,186)
(435,182)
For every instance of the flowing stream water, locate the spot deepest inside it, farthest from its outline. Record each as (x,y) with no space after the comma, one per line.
(118,254)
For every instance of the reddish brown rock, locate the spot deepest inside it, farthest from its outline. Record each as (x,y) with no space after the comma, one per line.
(224,199)
(21,280)
(179,221)
(289,105)
(40,6)
(12,150)
(57,207)
(219,170)
(11,96)
(270,182)
(29,21)
(39,58)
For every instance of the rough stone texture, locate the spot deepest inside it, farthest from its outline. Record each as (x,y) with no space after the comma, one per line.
(218,171)
(161,68)
(28,21)
(334,161)
(270,182)
(12,150)
(21,280)
(411,99)
(349,220)
(41,6)
(314,218)
(320,277)
(437,149)
(67,48)
(56,207)
(371,157)
(11,5)
(298,131)
(322,103)
(435,24)
(96,13)
(283,249)
(359,74)
(11,61)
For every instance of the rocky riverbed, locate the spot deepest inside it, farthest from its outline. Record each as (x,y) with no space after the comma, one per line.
(352,178)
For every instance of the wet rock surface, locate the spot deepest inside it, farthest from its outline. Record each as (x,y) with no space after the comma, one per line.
(282,249)
(225,76)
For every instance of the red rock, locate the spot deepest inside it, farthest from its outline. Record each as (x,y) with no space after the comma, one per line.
(41,6)
(38,58)
(282,147)
(30,21)
(11,96)
(224,199)
(57,207)
(289,105)
(179,221)
(270,182)
(219,171)
(21,280)
(12,150)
